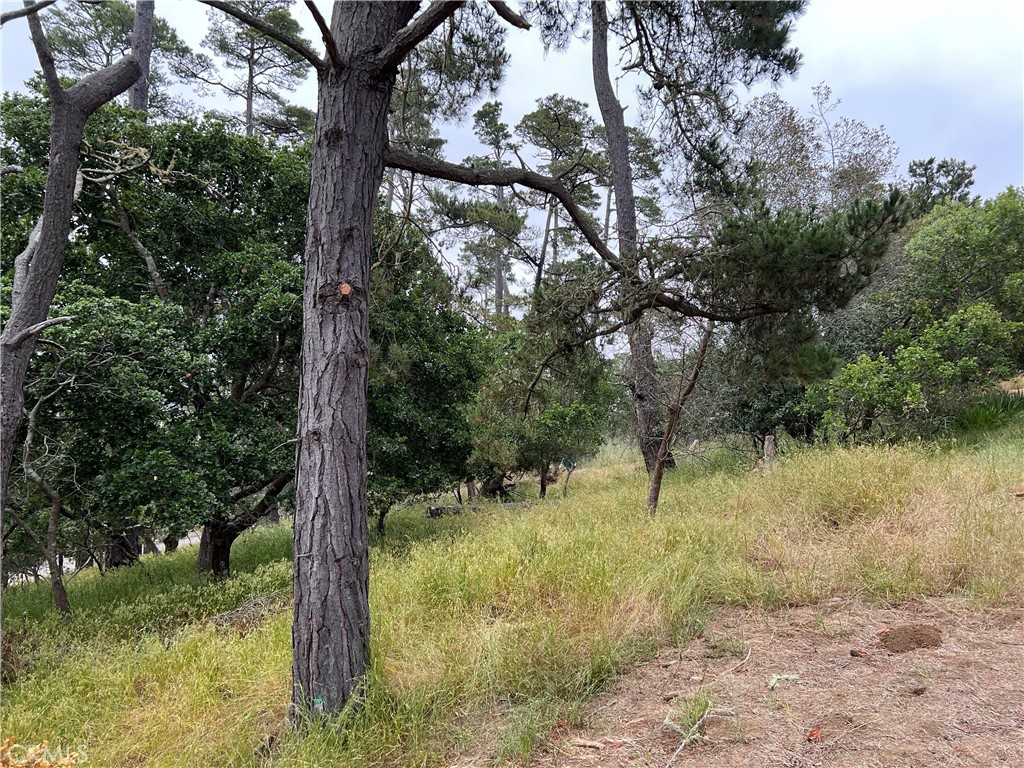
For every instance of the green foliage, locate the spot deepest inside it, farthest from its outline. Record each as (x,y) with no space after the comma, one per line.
(931,183)
(796,259)
(926,379)
(530,413)
(966,252)
(425,364)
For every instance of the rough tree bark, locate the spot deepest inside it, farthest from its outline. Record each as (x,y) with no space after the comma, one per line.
(644,385)
(37,267)
(643,388)
(331,628)
(142,49)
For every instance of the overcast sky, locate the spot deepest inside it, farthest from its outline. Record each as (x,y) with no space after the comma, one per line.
(945,78)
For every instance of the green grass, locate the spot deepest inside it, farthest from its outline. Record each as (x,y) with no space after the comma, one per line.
(995,411)
(491,628)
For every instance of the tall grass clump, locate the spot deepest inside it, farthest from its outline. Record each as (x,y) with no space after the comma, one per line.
(995,411)
(494,627)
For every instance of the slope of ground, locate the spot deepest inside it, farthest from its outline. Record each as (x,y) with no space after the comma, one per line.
(493,629)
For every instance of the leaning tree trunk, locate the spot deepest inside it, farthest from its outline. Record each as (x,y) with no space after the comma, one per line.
(661,464)
(331,629)
(644,382)
(37,267)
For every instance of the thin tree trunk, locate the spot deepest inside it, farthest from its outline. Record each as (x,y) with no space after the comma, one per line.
(124,223)
(643,388)
(331,627)
(608,214)
(645,385)
(500,287)
(568,473)
(539,277)
(654,490)
(544,478)
(48,548)
(250,122)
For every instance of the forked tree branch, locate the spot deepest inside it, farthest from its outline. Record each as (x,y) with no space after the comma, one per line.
(414,33)
(268,29)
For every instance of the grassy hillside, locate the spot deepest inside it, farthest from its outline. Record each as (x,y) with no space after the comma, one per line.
(491,627)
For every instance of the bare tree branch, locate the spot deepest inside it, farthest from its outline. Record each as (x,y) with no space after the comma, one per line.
(509,15)
(480,177)
(297,45)
(9,169)
(414,33)
(125,225)
(46,62)
(32,330)
(30,8)
(325,31)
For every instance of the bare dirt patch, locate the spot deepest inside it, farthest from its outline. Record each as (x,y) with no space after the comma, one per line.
(817,686)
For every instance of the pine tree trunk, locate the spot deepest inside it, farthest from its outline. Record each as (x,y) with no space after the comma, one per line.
(644,386)
(331,627)
(142,48)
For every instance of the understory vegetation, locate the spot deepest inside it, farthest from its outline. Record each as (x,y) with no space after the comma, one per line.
(491,627)
(786,371)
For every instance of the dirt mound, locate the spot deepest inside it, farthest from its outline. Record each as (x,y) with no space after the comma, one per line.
(911,637)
